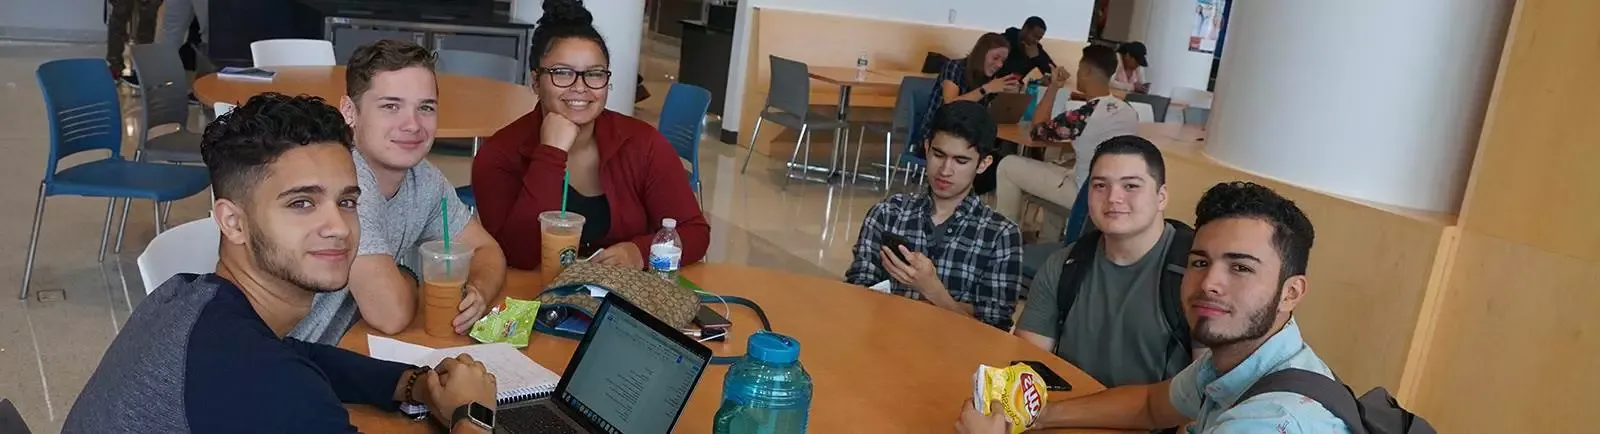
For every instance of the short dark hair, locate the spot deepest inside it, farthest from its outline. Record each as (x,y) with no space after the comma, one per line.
(1034,22)
(1292,233)
(1134,145)
(563,19)
(383,55)
(968,121)
(238,146)
(1101,58)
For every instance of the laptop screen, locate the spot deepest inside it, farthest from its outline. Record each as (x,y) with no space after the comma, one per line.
(631,379)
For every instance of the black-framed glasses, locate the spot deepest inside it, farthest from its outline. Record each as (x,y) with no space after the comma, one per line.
(567,77)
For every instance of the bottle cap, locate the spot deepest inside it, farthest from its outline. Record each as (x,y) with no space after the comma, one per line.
(669,223)
(773,348)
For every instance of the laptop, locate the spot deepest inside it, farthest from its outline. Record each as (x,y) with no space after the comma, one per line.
(631,374)
(1007,108)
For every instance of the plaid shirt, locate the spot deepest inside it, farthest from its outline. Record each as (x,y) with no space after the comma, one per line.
(980,262)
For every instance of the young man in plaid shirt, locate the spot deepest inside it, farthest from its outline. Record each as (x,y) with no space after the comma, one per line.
(959,254)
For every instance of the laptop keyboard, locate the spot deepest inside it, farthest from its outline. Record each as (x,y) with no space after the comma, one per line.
(534,419)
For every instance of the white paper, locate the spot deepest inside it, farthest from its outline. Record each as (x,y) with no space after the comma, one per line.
(597,292)
(395,350)
(514,372)
(882,287)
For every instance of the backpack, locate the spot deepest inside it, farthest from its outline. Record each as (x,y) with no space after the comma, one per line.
(1376,412)
(1076,269)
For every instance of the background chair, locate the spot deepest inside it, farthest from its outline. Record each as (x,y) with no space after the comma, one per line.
(789,104)
(11,420)
(1033,255)
(222,108)
(1196,115)
(1158,103)
(188,248)
(683,120)
(292,52)
(479,64)
(81,106)
(914,91)
(164,100)
(1145,111)
(1191,97)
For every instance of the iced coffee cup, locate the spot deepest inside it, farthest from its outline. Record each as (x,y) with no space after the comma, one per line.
(444,278)
(558,241)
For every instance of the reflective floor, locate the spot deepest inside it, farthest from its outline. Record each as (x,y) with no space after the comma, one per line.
(51,342)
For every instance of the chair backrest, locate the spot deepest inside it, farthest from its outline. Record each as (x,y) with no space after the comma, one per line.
(1192,97)
(682,121)
(292,52)
(189,248)
(80,102)
(905,103)
(480,64)
(1147,114)
(11,420)
(222,108)
(918,88)
(1196,115)
(1157,102)
(163,85)
(790,88)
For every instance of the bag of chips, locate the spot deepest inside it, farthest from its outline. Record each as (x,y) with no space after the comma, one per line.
(1020,391)
(510,322)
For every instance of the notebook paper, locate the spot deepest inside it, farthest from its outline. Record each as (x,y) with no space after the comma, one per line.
(517,378)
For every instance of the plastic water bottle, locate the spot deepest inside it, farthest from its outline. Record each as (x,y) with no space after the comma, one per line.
(1033,101)
(861,62)
(666,251)
(767,392)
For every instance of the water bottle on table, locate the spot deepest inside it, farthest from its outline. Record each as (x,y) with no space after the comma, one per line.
(768,391)
(861,66)
(666,252)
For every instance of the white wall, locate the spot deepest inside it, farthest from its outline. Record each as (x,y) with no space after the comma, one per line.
(1166,36)
(618,23)
(71,20)
(1066,19)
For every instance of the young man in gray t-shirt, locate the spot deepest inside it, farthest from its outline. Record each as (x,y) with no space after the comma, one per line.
(1117,330)
(391,104)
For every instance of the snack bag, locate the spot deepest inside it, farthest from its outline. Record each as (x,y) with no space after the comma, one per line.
(510,322)
(1019,389)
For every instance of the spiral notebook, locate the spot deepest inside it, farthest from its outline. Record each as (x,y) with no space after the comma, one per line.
(517,377)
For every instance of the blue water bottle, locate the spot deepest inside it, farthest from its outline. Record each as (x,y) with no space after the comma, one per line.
(1033,100)
(767,392)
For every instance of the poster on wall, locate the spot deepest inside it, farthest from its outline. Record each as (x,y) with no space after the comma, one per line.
(1207,25)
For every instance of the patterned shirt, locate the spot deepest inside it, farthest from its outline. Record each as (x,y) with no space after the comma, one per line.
(1211,398)
(1096,121)
(979,260)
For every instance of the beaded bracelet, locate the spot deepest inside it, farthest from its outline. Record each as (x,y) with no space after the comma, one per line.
(410,399)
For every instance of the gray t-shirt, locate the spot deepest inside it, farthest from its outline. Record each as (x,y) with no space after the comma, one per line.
(1116,331)
(393,227)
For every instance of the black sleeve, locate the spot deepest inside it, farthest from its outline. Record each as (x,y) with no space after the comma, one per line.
(355,378)
(249,384)
(1043,61)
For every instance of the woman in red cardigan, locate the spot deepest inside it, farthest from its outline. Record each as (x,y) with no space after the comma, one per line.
(625,177)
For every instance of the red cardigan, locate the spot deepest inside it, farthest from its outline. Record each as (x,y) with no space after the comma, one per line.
(515,177)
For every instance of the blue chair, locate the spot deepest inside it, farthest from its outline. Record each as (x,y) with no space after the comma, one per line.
(909,160)
(683,117)
(81,103)
(465,194)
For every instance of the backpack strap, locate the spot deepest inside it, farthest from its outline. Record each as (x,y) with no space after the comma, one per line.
(1073,271)
(1177,262)
(1333,395)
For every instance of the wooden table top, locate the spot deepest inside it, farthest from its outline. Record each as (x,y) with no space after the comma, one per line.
(873,78)
(880,363)
(468,106)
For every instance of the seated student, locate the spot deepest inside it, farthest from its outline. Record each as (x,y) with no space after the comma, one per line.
(391,102)
(1026,53)
(1102,117)
(959,254)
(972,78)
(1117,328)
(208,353)
(1247,273)
(625,177)
(1131,62)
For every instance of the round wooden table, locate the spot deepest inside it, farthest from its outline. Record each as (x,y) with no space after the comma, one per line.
(469,107)
(880,363)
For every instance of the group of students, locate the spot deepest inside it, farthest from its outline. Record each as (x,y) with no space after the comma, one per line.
(320,211)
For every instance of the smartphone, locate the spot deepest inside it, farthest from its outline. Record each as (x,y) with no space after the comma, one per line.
(893,242)
(1052,381)
(711,320)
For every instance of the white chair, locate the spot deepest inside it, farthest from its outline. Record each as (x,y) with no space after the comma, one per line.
(1191,97)
(222,108)
(189,248)
(1147,113)
(292,52)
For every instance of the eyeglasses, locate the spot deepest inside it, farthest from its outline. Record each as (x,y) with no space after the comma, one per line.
(567,77)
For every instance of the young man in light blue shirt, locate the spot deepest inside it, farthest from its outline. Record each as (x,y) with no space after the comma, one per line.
(1247,273)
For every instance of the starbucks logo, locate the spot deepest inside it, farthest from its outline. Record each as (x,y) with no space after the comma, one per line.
(569,256)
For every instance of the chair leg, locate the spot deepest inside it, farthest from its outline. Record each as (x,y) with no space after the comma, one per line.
(888,168)
(33,243)
(795,155)
(105,231)
(861,143)
(754,134)
(122,226)
(166,211)
(158,217)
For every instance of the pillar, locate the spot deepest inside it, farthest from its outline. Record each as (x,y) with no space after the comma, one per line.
(1375,100)
(621,23)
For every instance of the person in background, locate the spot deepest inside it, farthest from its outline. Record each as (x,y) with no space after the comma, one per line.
(1246,276)
(959,254)
(175,19)
(1102,117)
(972,78)
(140,15)
(208,353)
(1117,329)
(1026,53)
(625,177)
(1131,62)
(391,101)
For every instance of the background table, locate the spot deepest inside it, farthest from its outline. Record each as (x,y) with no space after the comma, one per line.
(880,363)
(469,107)
(849,78)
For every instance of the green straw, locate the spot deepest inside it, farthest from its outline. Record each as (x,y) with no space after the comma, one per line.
(566,180)
(444,210)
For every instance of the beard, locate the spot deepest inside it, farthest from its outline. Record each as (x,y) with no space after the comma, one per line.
(272,260)
(1259,323)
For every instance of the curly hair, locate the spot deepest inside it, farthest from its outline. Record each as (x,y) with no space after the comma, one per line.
(238,146)
(383,55)
(563,19)
(1292,233)
(968,121)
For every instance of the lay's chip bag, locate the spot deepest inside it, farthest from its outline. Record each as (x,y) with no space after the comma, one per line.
(1020,391)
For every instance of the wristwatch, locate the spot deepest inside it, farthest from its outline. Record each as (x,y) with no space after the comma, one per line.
(478,414)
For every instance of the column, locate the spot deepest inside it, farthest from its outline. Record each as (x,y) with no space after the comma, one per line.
(621,23)
(1375,100)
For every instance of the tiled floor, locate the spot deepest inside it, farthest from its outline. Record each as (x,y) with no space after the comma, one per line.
(49,347)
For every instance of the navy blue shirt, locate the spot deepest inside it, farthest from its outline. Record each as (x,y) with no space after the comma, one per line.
(195,357)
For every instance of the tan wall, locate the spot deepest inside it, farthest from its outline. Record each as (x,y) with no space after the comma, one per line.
(1518,340)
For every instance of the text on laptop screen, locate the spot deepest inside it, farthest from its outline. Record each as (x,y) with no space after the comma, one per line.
(631,379)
